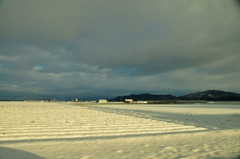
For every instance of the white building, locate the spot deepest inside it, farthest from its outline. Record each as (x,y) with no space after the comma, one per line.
(128,101)
(102,101)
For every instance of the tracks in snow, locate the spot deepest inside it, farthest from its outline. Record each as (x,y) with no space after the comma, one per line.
(49,121)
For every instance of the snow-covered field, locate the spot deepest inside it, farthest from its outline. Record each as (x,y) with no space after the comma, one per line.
(36,130)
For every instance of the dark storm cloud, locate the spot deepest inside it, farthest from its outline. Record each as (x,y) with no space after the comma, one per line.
(114,47)
(237,2)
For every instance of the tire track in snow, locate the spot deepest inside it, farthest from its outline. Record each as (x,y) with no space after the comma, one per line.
(24,121)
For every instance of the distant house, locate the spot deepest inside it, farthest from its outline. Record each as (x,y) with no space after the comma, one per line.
(102,101)
(128,101)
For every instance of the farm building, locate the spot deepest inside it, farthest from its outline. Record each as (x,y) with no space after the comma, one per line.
(128,101)
(102,101)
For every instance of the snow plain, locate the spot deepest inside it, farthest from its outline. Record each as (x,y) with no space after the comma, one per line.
(65,130)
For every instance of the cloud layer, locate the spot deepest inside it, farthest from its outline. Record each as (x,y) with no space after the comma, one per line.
(104,48)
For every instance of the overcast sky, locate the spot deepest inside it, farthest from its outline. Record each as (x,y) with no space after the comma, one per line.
(106,48)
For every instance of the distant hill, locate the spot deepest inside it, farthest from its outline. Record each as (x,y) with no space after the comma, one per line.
(145,97)
(210,95)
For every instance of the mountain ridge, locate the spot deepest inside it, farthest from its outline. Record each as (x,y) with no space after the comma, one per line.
(209,95)
(213,95)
